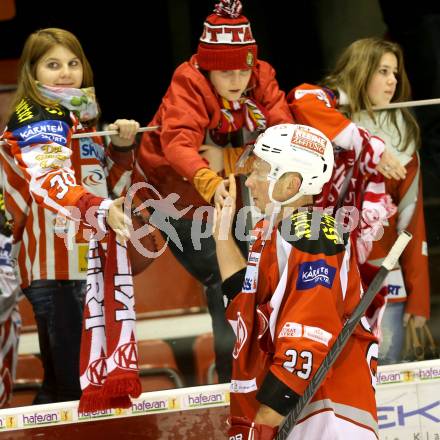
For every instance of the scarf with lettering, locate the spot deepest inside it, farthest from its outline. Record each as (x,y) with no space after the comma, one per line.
(356,183)
(82,102)
(109,372)
(242,113)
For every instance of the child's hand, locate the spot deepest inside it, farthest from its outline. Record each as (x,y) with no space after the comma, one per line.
(225,211)
(127,132)
(222,193)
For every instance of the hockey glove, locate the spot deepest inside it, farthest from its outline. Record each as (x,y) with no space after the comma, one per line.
(243,429)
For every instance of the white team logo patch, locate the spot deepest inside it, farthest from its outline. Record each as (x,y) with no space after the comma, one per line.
(319,93)
(254,257)
(241,336)
(93,178)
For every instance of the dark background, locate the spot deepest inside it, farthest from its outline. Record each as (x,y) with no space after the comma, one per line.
(135,47)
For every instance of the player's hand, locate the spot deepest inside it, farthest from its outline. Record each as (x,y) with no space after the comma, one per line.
(242,428)
(221,193)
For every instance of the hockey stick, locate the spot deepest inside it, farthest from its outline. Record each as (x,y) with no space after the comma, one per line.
(387,265)
(420,102)
(111,132)
(104,133)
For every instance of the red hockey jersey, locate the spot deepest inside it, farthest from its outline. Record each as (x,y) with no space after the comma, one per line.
(300,286)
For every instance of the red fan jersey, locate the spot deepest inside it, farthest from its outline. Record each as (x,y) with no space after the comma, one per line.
(47,173)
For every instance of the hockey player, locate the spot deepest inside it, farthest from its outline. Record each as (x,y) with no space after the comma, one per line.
(289,301)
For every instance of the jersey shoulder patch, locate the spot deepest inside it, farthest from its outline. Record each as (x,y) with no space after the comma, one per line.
(313,232)
(27,112)
(32,122)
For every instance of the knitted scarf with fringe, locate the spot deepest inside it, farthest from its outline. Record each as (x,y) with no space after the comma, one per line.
(244,112)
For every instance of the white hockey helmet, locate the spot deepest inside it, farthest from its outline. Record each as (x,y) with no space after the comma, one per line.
(296,148)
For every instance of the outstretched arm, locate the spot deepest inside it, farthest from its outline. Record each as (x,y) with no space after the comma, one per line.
(229,257)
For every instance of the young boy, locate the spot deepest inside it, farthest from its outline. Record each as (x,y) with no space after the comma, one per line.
(217,101)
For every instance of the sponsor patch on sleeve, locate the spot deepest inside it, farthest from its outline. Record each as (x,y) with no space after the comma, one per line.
(317,334)
(91,150)
(314,273)
(297,330)
(42,132)
(319,93)
(291,330)
(250,280)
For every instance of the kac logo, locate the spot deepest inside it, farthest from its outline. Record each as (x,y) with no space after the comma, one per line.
(241,336)
(97,371)
(126,356)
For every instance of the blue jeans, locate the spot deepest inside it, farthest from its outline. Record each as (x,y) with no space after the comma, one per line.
(393,334)
(202,264)
(58,309)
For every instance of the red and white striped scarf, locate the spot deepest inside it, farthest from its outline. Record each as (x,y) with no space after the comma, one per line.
(244,112)
(355,182)
(109,372)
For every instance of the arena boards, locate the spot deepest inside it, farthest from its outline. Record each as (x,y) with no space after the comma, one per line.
(408,408)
